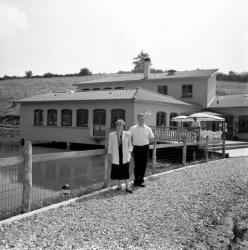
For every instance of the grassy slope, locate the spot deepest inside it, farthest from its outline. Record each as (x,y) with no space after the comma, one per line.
(27,87)
(231,88)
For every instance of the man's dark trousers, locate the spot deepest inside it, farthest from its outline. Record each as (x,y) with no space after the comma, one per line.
(140,155)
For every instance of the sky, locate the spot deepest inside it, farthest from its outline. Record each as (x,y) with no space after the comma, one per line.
(63,36)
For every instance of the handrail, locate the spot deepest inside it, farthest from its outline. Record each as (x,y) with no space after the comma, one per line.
(67,155)
(10,161)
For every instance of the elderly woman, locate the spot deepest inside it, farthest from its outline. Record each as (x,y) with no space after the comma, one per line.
(119,150)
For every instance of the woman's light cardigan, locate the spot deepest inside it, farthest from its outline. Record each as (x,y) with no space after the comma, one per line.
(126,147)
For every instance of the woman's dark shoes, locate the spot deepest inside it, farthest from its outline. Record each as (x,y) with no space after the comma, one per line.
(129,191)
(142,185)
(118,188)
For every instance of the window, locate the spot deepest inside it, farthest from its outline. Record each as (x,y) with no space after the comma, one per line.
(161,119)
(172,115)
(99,117)
(52,117)
(86,89)
(243,123)
(107,88)
(117,114)
(82,117)
(99,121)
(187,90)
(38,117)
(66,117)
(162,90)
(119,88)
(96,89)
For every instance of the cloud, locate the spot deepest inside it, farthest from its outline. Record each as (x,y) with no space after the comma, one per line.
(12,21)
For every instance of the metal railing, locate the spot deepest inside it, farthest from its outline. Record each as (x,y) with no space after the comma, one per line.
(32,181)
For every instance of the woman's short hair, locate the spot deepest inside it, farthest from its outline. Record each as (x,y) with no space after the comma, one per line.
(141,115)
(120,121)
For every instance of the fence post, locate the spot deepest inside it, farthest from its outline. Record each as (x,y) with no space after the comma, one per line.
(184,151)
(206,149)
(106,163)
(224,146)
(27,180)
(154,154)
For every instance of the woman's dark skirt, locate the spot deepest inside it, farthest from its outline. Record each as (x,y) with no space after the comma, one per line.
(121,171)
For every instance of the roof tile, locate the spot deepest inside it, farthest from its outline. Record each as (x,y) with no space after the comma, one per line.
(153,76)
(125,94)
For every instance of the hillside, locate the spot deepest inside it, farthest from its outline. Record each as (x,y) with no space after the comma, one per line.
(15,89)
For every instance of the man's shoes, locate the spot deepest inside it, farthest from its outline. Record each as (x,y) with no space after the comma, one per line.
(129,191)
(142,185)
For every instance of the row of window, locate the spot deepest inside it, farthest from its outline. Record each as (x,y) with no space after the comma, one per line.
(99,117)
(82,115)
(106,88)
(187,90)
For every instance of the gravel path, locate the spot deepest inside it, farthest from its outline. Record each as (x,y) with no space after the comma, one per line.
(172,211)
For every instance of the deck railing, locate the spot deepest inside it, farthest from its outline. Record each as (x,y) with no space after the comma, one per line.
(175,134)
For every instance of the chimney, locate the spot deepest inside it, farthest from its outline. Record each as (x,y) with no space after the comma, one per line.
(147,63)
(171,72)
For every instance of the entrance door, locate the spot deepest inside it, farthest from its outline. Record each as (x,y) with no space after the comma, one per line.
(229,121)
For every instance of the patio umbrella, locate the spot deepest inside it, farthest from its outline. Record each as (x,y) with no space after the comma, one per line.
(217,118)
(179,118)
(206,117)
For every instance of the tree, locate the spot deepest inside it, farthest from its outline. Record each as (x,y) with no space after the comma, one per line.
(28,73)
(84,72)
(139,62)
(48,75)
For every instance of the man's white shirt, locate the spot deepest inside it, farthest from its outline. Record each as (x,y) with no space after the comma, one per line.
(141,135)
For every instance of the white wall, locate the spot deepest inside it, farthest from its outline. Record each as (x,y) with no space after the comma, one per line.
(211,92)
(200,87)
(68,134)
(155,107)
(82,135)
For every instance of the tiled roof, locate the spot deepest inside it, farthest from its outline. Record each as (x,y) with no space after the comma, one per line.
(153,76)
(125,94)
(240,100)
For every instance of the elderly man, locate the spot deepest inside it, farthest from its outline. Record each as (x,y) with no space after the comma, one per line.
(142,135)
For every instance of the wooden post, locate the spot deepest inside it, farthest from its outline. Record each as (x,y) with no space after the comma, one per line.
(106,162)
(194,155)
(154,154)
(27,180)
(184,151)
(206,149)
(224,146)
